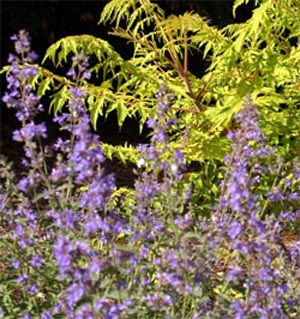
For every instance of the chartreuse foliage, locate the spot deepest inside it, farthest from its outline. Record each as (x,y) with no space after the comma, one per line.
(260,56)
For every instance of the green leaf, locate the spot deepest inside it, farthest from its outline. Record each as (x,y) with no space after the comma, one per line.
(117,294)
(60,99)
(44,86)
(122,112)
(238,3)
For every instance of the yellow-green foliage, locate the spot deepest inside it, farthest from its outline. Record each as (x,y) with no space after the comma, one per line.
(260,56)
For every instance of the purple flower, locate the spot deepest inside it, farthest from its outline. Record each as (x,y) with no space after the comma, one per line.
(25,184)
(33,289)
(98,193)
(239,311)
(20,96)
(62,253)
(95,224)
(84,312)
(60,173)
(46,315)
(36,261)
(16,264)
(151,123)
(29,131)
(79,70)
(164,106)
(234,229)
(23,46)
(234,273)
(156,301)
(74,293)
(22,279)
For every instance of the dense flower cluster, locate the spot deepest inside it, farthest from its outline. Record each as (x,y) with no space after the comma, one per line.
(254,241)
(71,250)
(19,217)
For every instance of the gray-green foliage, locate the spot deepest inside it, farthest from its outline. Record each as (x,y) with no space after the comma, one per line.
(260,55)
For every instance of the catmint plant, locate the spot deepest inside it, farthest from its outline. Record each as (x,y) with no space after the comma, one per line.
(23,216)
(80,263)
(71,250)
(252,236)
